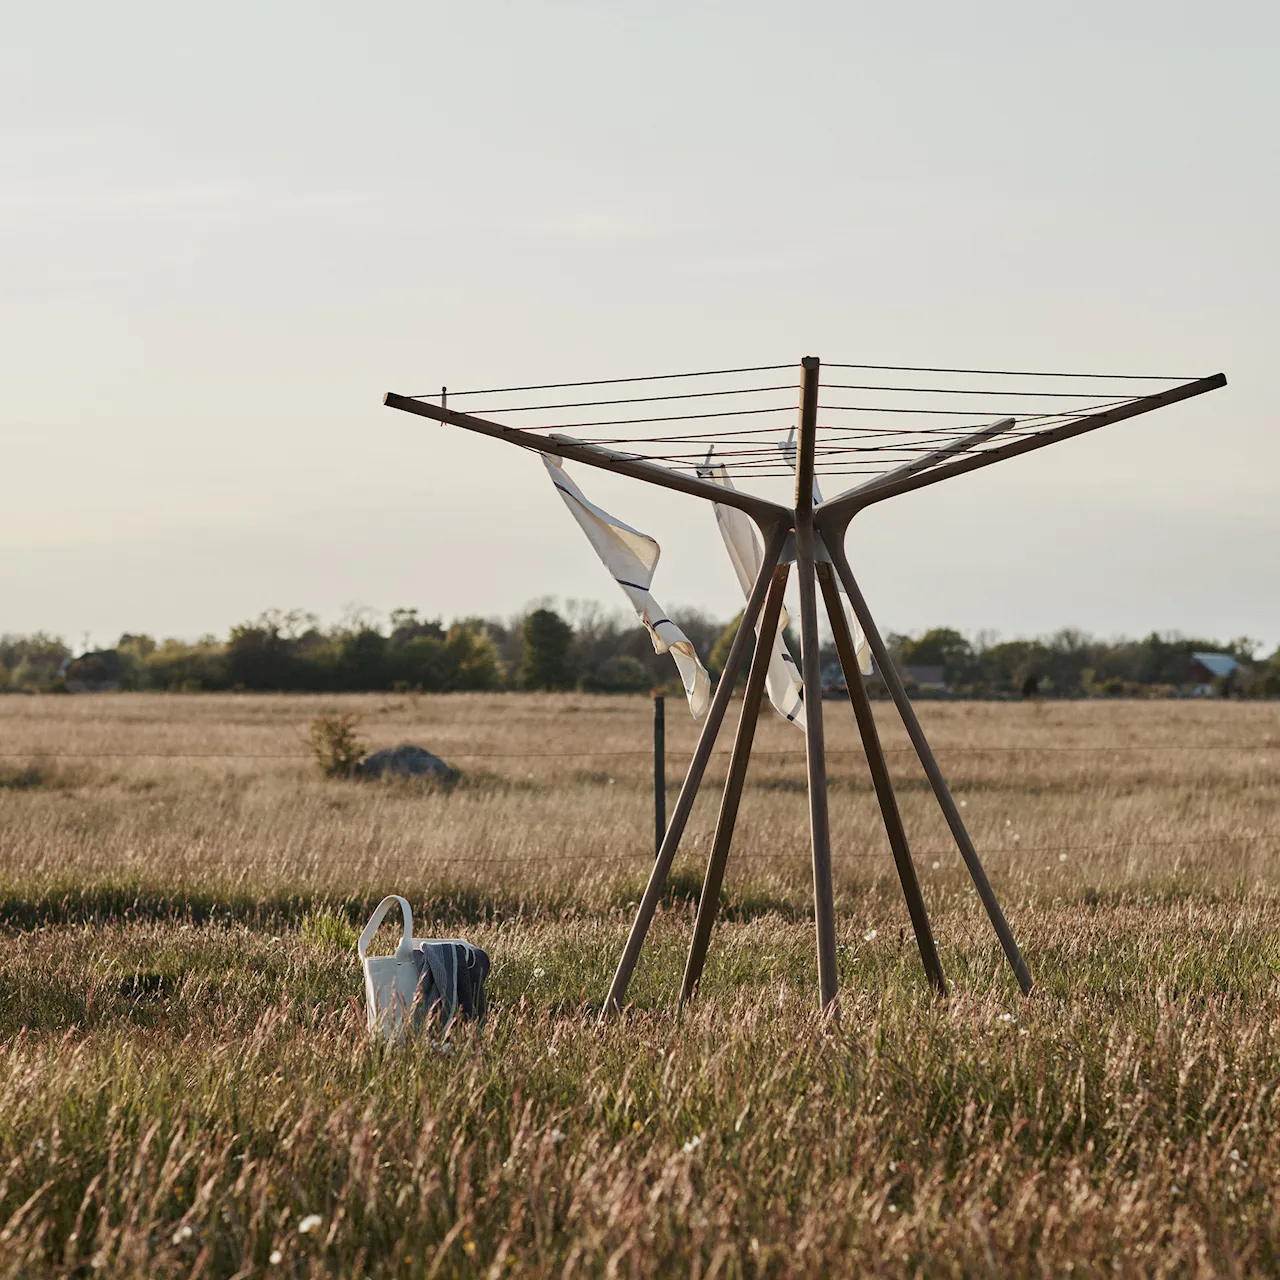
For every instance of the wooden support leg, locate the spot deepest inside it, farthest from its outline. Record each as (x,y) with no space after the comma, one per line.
(709,902)
(889,674)
(880,778)
(824,909)
(693,779)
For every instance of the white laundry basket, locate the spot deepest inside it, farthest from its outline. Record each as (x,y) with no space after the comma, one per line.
(425,977)
(390,982)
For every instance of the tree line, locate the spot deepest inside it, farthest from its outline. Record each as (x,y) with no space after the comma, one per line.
(591,651)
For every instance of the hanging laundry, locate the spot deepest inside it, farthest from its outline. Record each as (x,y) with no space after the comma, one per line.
(860,646)
(783,682)
(631,557)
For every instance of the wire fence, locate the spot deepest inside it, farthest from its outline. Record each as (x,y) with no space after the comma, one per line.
(791,752)
(1019,850)
(884,855)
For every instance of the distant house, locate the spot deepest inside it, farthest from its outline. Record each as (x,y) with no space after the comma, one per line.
(833,679)
(1207,671)
(92,672)
(926,679)
(917,679)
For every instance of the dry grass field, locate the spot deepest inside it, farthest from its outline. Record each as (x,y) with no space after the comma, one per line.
(187,1087)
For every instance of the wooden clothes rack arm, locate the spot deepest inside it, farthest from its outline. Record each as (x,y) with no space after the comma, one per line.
(766,514)
(834,515)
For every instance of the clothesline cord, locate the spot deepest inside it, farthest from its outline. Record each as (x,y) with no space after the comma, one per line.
(975,391)
(607,382)
(835,364)
(827,408)
(1012,373)
(591,404)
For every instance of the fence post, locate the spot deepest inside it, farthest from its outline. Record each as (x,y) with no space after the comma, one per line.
(659,771)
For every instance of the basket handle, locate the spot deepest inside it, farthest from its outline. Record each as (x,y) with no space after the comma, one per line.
(405,950)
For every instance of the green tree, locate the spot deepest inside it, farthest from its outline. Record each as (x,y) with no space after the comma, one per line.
(32,661)
(547,639)
(941,647)
(362,659)
(471,657)
(719,654)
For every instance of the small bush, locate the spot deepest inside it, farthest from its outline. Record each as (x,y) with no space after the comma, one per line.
(25,779)
(325,927)
(617,675)
(336,743)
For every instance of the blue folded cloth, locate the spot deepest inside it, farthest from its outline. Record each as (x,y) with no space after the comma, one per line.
(451,978)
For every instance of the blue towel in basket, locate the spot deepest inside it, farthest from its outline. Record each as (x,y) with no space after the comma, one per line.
(451,978)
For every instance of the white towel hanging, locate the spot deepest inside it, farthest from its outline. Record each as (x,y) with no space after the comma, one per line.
(631,557)
(783,682)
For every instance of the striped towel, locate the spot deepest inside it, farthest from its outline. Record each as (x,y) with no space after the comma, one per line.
(631,557)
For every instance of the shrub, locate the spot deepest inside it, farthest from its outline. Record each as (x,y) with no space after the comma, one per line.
(617,675)
(336,743)
(325,927)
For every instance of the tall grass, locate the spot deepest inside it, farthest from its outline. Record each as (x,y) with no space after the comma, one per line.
(187,1082)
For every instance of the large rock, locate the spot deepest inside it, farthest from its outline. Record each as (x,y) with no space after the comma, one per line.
(405,761)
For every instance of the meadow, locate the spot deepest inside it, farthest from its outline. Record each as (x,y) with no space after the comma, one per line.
(187,1086)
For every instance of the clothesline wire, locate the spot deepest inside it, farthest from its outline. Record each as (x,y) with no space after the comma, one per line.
(972,391)
(591,404)
(829,408)
(826,386)
(834,364)
(963,413)
(841,430)
(927,436)
(839,438)
(770,456)
(758,454)
(752,454)
(606,382)
(1012,373)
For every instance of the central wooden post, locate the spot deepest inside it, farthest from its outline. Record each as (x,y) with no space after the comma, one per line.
(824,909)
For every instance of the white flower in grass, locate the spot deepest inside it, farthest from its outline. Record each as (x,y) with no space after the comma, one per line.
(1062,857)
(557,1136)
(871,935)
(692,1145)
(539,973)
(1006,1017)
(184,1232)
(276,1257)
(937,866)
(309,1224)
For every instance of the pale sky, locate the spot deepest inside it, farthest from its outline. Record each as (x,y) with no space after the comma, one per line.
(227,229)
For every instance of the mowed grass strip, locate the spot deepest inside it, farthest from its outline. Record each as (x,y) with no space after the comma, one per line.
(188,1087)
